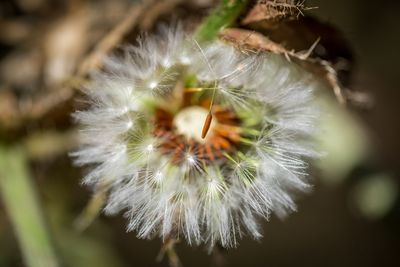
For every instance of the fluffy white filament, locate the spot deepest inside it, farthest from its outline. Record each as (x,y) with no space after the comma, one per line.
(212,202)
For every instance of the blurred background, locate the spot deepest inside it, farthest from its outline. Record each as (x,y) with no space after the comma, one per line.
(47,48)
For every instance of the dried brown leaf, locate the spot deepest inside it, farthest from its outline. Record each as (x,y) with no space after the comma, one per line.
(275,10)
(253,41)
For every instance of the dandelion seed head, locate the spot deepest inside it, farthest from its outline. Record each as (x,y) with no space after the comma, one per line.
(143,133)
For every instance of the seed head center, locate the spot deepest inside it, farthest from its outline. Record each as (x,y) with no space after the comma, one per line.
(190,121)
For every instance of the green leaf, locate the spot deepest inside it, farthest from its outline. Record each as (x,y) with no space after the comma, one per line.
(20,200)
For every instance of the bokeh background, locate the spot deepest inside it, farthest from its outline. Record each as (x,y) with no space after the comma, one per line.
(351,218)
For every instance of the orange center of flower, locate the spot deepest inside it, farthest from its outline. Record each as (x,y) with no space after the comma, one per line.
(182,134)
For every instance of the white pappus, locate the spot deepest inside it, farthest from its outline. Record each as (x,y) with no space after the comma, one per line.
(197,142)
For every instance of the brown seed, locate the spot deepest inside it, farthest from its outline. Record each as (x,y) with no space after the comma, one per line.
(206,126)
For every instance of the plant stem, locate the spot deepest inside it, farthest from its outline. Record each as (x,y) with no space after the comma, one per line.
(224,15)
(168,248)
(22,206)
(93,208)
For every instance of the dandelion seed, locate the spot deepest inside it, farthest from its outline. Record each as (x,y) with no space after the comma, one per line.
(129,125)
(153,84)
(207,124)
(218,141)
(150,148)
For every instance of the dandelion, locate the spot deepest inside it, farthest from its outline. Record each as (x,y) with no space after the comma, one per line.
(197,142)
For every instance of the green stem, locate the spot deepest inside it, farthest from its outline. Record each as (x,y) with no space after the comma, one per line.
(224,15)
(23,209)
